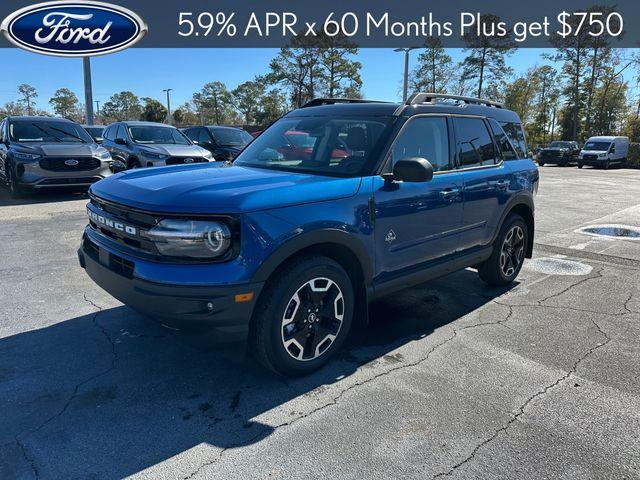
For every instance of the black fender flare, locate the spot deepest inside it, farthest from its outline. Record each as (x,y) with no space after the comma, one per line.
(523,198)
(313,238)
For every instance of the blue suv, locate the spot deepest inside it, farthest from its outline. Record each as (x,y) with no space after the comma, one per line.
(285,251)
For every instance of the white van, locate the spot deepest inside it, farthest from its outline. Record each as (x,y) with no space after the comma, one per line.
(604,151)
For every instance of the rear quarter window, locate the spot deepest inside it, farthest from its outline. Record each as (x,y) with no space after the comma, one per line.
(516,136)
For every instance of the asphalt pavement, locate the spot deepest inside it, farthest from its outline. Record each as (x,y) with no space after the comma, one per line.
(452,379)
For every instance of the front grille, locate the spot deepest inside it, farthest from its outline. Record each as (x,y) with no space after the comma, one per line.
(114,262)
(66,164)
(551,154)
(181,160)
(69,181)
(590,157)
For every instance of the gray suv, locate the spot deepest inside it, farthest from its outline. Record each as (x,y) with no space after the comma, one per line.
(45,152)
(148,144)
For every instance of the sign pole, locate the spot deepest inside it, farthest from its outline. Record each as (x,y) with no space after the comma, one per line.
(88,91)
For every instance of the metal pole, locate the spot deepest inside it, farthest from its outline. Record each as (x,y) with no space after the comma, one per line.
(97,109)
(88,91)
(406,75)
(169,119)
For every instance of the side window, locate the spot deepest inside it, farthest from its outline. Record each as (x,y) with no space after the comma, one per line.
(203,136)
(108,133)
(475,146)
(121,132)
(504,145)
(2,126)
(425,137)
(516,135)
(189,132)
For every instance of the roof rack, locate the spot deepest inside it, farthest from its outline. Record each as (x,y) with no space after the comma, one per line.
(316,102)
(418,98)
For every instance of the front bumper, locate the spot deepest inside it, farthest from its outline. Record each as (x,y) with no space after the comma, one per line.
(594,162)
(32,176)
(184,307)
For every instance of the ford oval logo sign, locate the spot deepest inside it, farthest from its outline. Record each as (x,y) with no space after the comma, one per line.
(71,162)
(73,29)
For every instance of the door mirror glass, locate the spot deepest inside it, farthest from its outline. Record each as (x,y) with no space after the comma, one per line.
(121,141)
(413,169)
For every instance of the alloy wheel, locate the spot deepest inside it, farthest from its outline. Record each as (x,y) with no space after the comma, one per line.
(312,319)
(512,252)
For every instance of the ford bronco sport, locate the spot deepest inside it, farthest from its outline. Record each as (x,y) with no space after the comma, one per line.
(285,251)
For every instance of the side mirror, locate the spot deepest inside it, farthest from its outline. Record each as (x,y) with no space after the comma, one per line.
(98,140)
(120,141)
(411,169)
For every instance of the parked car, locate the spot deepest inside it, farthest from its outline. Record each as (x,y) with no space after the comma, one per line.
(223,142)
(45,152)
(299,145)
(285,252)
(148,144)
(604,151)
(559,152)
(95,131)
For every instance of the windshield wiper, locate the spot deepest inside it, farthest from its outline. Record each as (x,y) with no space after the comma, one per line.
(46,132)
(68,133)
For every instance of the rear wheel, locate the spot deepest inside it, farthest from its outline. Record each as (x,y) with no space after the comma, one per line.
(507,258)
(303,316)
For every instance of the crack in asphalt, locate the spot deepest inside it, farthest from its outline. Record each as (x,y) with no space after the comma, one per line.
(337,398)
(522,408)
(74,393)
(598,274)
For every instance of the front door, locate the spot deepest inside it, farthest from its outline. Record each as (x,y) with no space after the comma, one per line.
(418,222)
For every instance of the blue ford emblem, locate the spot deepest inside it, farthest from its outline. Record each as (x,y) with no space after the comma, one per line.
(71,162)
(73,29)
(188,160)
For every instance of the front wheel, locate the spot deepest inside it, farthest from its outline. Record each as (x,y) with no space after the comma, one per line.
(541,164)
(15,189)
(580,165)
(303,316)
(507,258)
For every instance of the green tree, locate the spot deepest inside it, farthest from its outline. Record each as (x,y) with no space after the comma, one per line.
(29,94)
(153,110)
(186,114)
(272,105)
(341,76)
(122,106)
(214,103)
(433,72)
(11,108)
(65,104)
(246,98)
(485,60)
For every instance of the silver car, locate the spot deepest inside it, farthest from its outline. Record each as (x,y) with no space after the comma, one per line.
(44,152)
(148,144)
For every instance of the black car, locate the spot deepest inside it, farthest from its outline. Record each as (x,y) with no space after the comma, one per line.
(225,143)
(95,131)
(559,153)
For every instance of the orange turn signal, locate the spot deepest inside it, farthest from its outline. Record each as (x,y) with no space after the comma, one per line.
(244,297)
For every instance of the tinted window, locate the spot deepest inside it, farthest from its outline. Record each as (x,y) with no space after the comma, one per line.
(152,134)
(516,136)
(425,137)
(230,137)
(121,133)
(475,146)
(203,136)
(597,146)
(46,131)
(192,133)
(108,133)
(2,130)
(332,146)
(504,145)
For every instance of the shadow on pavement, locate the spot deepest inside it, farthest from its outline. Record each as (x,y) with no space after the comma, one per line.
(109,395)
(45,196)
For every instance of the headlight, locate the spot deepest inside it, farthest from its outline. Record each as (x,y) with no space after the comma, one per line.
(103,155)
(208,156)
(154,156)
(602,155)
(191,238)
(26,156)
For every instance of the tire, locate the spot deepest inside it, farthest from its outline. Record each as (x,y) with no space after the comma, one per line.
(507,258)
(15,189)
(541,164)
(607,164)
(279,327)
(580,165)
(133,163)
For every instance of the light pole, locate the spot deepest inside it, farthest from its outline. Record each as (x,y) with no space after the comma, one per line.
(169,120)
(98,108)
(88,91)
(405,86)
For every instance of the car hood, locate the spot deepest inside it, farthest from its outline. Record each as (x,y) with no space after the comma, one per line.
(211,189)
(174,150)
(56,149)
(555,149)
(593,152)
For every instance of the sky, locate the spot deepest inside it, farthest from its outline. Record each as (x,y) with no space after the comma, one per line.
(147,72)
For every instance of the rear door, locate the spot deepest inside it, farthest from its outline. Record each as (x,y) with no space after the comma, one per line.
(418,222)
(485,179)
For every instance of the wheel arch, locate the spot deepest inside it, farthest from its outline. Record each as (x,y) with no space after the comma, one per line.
(523,206)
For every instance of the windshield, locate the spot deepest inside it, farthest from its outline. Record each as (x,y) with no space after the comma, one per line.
(561,144)
(597,146)
(322,145)
(47,131)
(95,132)
(151,134)
(230,137)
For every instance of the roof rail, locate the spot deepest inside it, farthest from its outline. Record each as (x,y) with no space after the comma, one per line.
(330,101)
(418,98)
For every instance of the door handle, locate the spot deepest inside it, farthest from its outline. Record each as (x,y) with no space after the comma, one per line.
(502,184)
(449,193)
